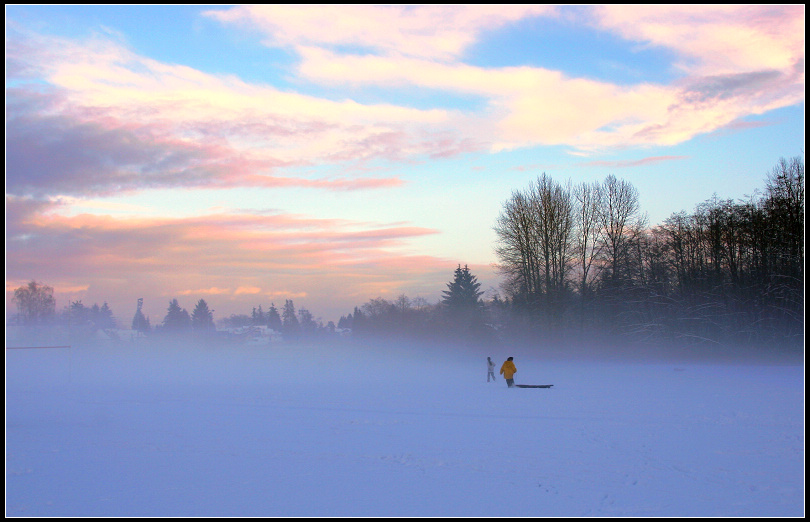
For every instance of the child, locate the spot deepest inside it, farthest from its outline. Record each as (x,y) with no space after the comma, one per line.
(490,369)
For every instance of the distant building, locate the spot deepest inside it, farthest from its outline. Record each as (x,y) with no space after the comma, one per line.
(253,335)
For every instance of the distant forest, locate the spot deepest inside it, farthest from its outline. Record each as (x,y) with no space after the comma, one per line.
(579,263)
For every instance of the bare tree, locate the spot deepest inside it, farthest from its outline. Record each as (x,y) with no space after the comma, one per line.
(618,214)
(588,243)
(402,303)
(35,303)
(536,247)
(553,218)
(784,205)
(516,247)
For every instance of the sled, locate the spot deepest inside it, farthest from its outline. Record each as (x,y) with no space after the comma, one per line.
(533,385)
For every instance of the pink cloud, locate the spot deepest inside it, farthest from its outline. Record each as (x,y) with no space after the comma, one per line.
(79,154)
(205,291)
(249,290)
(113,121)
(228,259)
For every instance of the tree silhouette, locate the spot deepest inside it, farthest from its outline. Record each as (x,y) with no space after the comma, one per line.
(290,326)
(202,319)
(462,293)
(103,317)
(177,318)
(140,322)
(273,318)
(462,306)
(257,317)
(35,303)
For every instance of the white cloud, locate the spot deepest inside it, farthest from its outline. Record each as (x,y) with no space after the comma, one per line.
(755,55)
(530,106)
(440,32)
(714,39)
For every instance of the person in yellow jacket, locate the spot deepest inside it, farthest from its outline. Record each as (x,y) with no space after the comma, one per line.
(508,371)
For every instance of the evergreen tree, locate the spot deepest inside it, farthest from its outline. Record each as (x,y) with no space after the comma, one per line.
(290,327)
(78,314)
(103,317)
(177,319)
(462,302)
(273,318)
(90,319)
(79,320)
(202,319)
(358,323)
(307,322)
(345,322)
(258,317)
(463,292)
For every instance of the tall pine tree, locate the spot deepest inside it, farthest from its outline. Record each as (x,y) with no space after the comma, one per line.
(177,319)
(273,318)
(202,319)
(463,292)
(291,329)
(461,302)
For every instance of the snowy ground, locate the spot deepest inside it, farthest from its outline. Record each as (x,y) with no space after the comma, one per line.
(257,431)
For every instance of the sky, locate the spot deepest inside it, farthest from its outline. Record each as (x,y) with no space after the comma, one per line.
(246,155)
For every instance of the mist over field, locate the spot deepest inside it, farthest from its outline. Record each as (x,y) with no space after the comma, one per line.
(257,258)
(375,428)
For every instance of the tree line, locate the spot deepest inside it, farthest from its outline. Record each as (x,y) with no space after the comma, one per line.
(581,259)
(291,323)
(578,262)
(460,315)
(36,308)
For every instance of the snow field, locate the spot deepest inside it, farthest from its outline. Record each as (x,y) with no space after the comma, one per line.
(341,431)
